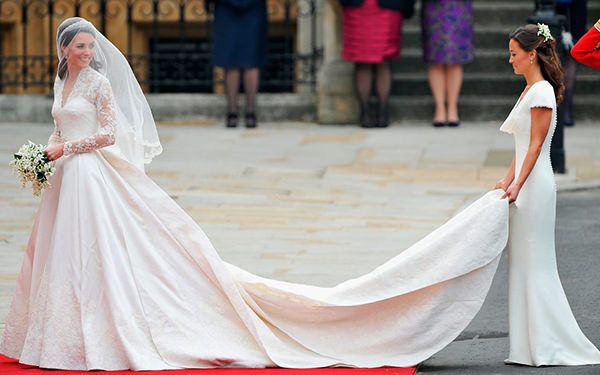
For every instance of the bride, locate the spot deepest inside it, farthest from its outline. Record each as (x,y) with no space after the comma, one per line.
(117,276)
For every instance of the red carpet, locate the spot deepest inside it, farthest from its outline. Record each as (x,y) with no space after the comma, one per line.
(12,367)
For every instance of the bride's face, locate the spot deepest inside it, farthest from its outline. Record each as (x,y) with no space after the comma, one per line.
(519,58)
(81,50)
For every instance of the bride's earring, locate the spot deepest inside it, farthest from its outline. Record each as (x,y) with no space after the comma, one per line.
(530,61)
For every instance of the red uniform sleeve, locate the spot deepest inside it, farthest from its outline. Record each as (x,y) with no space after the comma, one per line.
(587,49)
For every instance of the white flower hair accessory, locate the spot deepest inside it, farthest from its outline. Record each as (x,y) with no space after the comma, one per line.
(544,31)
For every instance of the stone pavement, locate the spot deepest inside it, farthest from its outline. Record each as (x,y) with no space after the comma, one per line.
(307,203)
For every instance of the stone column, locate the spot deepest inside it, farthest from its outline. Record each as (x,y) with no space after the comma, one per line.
(337,102)
(308,38)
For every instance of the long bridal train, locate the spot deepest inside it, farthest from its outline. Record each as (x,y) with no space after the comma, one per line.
(138,285)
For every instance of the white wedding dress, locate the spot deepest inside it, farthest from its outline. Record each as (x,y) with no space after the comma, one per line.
(117,276)
(543,330)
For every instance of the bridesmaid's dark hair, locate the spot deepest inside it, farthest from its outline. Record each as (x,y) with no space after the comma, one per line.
(67,38)
(528,38)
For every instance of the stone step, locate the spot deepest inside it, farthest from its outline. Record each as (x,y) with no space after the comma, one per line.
(167,107)
(494,36)
(208,108)
(514,13)
(485,36)
(476,108)
(487,60)
(478,84)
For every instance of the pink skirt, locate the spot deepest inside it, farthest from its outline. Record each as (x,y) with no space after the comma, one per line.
(371,34)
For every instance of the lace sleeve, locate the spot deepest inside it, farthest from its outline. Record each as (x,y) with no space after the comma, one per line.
(106,113)
(55,137)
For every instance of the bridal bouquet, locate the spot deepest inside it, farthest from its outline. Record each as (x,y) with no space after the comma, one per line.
(33,165)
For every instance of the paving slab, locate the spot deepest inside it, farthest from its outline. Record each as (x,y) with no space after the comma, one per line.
(307,203)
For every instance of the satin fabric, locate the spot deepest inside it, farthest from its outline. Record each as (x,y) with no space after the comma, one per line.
(128,280)
(117,276)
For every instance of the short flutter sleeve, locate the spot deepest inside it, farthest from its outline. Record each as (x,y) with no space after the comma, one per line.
(542,96)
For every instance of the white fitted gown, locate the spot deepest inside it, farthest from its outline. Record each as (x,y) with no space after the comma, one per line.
(543,330)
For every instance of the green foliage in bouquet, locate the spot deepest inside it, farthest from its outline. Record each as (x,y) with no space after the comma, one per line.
(32,164)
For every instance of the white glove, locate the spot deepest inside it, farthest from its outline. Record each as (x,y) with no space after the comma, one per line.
(567,40)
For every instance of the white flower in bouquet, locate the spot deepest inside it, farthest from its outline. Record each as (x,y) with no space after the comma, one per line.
(33,165)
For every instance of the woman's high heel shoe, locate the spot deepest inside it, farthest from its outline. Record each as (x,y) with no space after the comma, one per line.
(383,117)
(232,120)
(250,120)
(365,119)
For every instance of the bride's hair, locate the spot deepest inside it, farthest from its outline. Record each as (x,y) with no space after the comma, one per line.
(65,39)
(528,38)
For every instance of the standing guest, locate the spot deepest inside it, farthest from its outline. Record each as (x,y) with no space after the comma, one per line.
(575,12)
(587,49)
(240,45)
(371,39)
(447,28)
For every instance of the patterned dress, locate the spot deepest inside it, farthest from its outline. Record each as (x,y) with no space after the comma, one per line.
(447,27)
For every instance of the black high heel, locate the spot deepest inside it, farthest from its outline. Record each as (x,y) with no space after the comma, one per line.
(232,120)
(365,118)
(250,120)
(383,117)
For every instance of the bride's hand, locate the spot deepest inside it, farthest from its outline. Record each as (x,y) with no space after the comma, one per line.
(511,193)
(55,152)
(502,184)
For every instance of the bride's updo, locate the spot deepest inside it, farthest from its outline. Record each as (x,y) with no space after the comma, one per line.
(531,37)
(64,36)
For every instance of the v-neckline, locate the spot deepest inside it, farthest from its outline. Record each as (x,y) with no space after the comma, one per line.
(64,101)
(506,125)
(524,94)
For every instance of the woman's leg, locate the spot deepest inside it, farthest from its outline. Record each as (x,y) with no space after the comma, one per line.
(454,78)
(384,85)
(251,83)
(363,79)
(437,83)
(232,85)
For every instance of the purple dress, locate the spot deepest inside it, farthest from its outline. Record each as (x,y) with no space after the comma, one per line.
(447,27)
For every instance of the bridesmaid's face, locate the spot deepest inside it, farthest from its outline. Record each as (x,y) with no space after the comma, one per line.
(519,58)
(81,50)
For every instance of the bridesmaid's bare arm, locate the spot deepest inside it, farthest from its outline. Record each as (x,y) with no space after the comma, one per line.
(540,123)
(508,179)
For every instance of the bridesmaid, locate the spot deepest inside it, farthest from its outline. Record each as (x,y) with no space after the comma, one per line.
(542,328)
(587,49)
(447,29)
